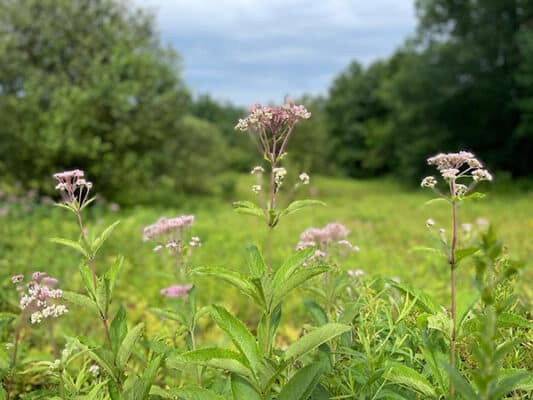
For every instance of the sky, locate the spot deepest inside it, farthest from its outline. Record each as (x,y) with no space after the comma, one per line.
(249,51)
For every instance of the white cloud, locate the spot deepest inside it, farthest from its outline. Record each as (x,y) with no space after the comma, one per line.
(286,43)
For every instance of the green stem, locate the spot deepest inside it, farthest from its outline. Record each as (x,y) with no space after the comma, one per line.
(453,289)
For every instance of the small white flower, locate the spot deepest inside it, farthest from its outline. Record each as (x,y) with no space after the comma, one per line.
(157,248)
(356,273)
(94,370)
(256,188)
(481,175)
(460,190)
(304,178)
(449,173)
(257,170)
(429,182)
(466,227)
(430,223)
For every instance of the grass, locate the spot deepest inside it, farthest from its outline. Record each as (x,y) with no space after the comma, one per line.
(386,221)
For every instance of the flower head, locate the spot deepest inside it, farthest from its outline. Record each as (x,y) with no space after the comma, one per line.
(304,178)
(428,181)
(74,187)
(176,291)
(40,298)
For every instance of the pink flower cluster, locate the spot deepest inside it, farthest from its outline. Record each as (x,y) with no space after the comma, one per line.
(39,297)
(176,291)
(73,187)
(323,238)
(165,227)
(273,119)
(455,165)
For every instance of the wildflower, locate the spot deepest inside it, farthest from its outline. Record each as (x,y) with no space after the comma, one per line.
(304,178)
(166,227)
(17,278)
(273,126)
(450,173)
(195,242)
(460,189)
(481,175)
(279,175)
(258,170)
(356,273)
(73,187)
(40,298)
(157,248)
(466,227)
(319,254)
(9,345)
(331,234)
(483,223)
(94,370)
(430,222)
(256,188)
(428,181)
(176,291)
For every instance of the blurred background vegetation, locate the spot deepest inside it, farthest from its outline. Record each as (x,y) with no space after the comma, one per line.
(87,84)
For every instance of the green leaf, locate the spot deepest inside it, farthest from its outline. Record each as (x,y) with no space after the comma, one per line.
(242,389)
(112,273)
(289,266)
(104,358)
(425,249)
(525,384)
(118,329)
(213,357)
(302,383)
(7,316)
(461,384)
(72,244)
(167,314)
(314,339)
(150,374)
(510,320)
(100,240)
(102,295)
(298,205)
(239,334)
(82,301)
(133,389)
(294,281)
(247,207)
(194,393)
(236,279)
(436,200)
(87,278)
(441,322)
(423,300)
(474,196)
(256,262)
(411,379)
(508,384)
(461,254)
(316,311)
(127,345)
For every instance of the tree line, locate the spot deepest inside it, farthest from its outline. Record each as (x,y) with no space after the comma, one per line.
(88,84)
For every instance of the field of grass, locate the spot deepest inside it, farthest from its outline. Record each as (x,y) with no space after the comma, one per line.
(386,221)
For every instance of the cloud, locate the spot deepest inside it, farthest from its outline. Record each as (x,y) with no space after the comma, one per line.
(251,50)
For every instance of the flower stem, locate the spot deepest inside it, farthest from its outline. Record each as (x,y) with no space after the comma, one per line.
(453,265)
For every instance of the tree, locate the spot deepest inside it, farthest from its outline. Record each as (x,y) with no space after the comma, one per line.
(86,84)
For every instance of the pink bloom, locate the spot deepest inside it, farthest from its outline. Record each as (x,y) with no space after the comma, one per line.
(176,291)
(17,278)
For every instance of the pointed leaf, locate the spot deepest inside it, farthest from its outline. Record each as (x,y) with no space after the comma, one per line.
(247,207)
(302,383)
(239,334)
(294,281)
(127,345)
(411,379)
(314,339)
(213,357)
(82,301)
(298,205)
(289,266)
(256,262)
(72,244)
(242,389)
(100,240)
(118,329)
